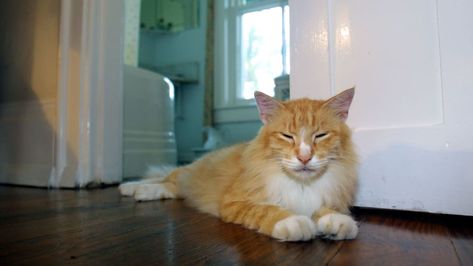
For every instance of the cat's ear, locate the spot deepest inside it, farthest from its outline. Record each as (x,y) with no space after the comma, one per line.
(341,103)
(267,106)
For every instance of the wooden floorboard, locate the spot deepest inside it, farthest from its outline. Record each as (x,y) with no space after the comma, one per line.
(394,238)
(461,236)
(39,226)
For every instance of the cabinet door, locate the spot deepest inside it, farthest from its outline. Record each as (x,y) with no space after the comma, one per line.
(148,14)
(412,64)
(171,13)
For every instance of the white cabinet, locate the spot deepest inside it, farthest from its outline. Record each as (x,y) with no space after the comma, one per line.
(169,15)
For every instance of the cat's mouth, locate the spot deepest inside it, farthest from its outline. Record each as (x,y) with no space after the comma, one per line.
(304,169)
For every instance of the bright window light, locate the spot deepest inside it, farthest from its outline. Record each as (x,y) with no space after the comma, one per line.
(264,52)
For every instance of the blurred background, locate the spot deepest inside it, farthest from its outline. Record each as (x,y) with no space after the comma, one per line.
(98,91)
(176,39)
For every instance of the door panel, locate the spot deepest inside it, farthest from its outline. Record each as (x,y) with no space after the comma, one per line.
(390,50)
(412,63)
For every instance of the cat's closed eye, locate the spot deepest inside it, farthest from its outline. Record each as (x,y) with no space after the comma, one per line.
(321,135)
(287,136)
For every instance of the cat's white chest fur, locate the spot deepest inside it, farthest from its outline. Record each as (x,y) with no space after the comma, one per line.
(299,198)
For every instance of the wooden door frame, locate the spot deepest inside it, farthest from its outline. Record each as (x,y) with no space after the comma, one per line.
(90,94)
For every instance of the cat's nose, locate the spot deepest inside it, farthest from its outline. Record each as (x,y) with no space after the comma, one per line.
(304,158)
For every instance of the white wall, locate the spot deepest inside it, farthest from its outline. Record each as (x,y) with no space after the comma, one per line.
(29,40)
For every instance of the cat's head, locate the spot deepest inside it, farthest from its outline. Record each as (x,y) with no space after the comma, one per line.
(305,136)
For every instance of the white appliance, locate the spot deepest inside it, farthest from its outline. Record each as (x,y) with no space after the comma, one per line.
(149,138)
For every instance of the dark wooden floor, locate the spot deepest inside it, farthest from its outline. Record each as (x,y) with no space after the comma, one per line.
(39,226)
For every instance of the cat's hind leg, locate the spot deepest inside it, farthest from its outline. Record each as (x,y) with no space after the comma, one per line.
(160,183)
(146,192)
(128,189)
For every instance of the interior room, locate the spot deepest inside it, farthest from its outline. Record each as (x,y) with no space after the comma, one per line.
(234,132)
(160,42)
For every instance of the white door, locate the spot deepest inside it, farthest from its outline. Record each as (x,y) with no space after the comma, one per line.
(412,64)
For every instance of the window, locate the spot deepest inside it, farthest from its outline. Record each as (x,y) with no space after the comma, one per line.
(263,50)
(252,48)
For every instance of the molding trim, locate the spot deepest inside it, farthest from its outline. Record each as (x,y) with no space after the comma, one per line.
(90,93)
(64,77)
(35,121)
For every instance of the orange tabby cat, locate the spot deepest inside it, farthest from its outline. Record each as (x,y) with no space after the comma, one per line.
(294,181)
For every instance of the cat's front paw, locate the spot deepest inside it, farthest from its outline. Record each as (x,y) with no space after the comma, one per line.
(294,228)
(337,226)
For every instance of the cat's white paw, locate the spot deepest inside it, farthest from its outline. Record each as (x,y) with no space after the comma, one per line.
(294,228)
(146,192)
(128,189)
(337,226)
